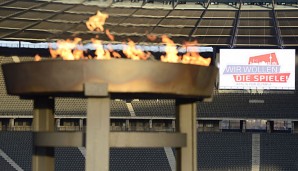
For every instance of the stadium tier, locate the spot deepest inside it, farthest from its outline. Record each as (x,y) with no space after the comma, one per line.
(217,152)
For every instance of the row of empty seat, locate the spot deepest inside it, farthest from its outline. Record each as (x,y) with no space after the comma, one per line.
(164,108)
(279,152)
(5,165)
(245,105)
(216,152)
(224,151)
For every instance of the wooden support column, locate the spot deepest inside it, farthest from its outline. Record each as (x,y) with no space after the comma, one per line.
(43,121)
(98,127)
(186,123)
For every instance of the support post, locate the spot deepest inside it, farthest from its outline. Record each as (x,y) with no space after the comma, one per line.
(270,126)
(43,121)
(11,124)
(81,124)
(294,127)
(127,125)
(186,123)
(58,123)
(174,125)
(243,126)
(98,127)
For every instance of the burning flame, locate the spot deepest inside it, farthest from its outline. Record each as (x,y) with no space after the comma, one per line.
(68,49)
(193,57)
(97,21)
(133,53)
(100,52)
(37,57)
(171,51)
(110,36)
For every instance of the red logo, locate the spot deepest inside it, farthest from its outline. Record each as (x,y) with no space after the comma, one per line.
(261,68)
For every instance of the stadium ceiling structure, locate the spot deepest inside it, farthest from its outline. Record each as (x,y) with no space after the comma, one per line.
(217,23)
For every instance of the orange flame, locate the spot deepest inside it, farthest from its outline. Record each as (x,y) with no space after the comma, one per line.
(110,36)
(97,21)
(67,49)
(193,57)
(116,54)
(78,54)
(171,51)
(133,53)
(37,57)
(100,52)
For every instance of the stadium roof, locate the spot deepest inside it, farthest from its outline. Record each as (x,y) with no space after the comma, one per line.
(223,23)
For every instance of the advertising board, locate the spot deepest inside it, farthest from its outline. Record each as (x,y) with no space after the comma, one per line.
(257,69)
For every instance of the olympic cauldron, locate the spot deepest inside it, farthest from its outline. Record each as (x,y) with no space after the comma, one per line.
(102,80)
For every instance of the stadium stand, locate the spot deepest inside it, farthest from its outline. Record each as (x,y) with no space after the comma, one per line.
(70,106)
(119,108)
(135,159)
(155,108)
(5,165)
(12,105)
(18,146)
(78,107)
(69,159)
(248,105)
(217,152)
(217,23)
(279,152)
(224,151)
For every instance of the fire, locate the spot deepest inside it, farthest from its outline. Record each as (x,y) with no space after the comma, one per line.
(69,49)
(37,57)
(193,57)
(116,54)
(133,53)
(96,22)
(171,51)
(100,52)
(110,36)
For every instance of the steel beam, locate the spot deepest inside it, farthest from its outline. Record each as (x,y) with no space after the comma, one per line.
(43,120)
(186,123)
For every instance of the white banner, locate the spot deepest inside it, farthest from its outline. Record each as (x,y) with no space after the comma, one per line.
(257,69)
